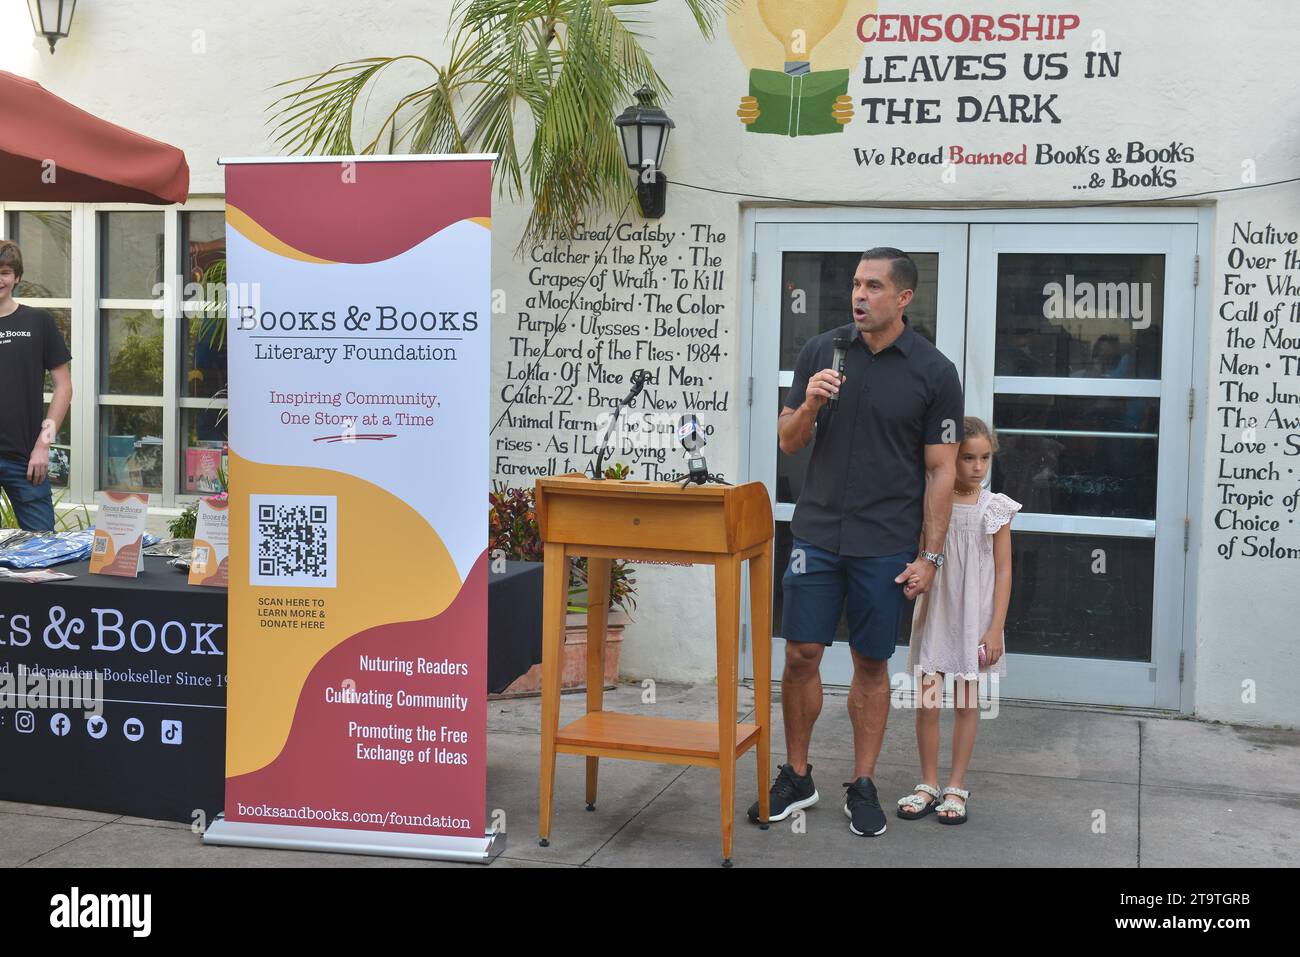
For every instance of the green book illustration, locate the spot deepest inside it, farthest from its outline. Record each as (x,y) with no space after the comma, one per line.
(797,105)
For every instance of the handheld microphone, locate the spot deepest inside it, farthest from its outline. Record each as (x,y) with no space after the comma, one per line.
(839,353)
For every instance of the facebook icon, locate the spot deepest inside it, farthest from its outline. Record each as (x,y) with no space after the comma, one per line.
(59,723)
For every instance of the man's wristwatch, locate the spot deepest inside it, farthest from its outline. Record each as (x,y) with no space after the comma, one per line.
(935,557)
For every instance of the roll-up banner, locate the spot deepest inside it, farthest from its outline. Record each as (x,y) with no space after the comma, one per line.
(358,335)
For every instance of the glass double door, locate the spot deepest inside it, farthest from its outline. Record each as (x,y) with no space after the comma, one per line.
(1074,341)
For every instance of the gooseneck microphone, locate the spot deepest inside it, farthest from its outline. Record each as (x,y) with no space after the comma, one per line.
(839,353)
(639,379)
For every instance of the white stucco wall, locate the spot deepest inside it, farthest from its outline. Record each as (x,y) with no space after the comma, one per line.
(1248,616)
(200,75)
(1214,80)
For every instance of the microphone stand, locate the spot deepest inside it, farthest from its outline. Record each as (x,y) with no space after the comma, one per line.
(599,475)
(708,477)
(698,472)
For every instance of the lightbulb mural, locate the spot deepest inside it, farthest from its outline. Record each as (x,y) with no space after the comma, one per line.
(799,53)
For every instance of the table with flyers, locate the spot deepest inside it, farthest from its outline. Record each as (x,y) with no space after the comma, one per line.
(156,747)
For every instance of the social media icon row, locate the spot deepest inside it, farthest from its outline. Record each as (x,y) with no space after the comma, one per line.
(171,732)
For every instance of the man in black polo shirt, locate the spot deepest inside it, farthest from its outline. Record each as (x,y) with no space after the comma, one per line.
(882,468)
(30,344)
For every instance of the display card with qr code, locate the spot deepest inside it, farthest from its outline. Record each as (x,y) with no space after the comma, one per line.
(294,540)
(118,544)
(209,562)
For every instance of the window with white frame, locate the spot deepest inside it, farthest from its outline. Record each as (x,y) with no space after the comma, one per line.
(132,290)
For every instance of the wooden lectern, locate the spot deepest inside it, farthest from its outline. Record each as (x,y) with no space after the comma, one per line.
(657,521)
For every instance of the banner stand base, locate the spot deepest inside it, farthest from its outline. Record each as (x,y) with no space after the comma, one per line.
(333,840)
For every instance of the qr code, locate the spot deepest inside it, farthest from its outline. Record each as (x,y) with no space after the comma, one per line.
(294,540)
(199,560)
(101,545)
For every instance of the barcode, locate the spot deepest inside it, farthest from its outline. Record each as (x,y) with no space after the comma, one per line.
(293,540)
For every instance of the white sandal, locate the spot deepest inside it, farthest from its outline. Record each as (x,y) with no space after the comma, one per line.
(914,806)
(958,811)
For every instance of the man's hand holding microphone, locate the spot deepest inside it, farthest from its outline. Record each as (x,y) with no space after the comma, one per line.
(795,428)
(822,388)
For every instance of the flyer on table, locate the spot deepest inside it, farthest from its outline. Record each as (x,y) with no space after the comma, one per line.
(209,561)
(117,547)
(359,369)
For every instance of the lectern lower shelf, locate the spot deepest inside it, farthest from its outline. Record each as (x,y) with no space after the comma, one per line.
(639,737)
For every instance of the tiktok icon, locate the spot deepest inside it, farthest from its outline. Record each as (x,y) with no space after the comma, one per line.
(171,732)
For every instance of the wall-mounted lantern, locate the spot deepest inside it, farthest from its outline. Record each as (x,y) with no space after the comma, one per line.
(644,131)
(52,19)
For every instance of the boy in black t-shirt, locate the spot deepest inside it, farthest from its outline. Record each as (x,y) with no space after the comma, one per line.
(30,343)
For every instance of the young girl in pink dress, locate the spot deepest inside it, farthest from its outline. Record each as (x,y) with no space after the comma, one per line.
(964,610)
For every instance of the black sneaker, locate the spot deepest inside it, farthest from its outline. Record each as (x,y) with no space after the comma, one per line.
(790,792)
(862,808)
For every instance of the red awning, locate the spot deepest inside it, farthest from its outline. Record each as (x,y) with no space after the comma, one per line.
(94,161)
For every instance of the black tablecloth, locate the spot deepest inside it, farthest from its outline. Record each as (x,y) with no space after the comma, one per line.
(514,623)
(157,576)
(159,749)
(161,645)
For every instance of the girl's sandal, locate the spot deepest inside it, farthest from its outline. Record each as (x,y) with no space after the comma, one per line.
(957,810)
(914,806)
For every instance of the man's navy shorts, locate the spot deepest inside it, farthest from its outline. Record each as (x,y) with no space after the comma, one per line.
(863,588)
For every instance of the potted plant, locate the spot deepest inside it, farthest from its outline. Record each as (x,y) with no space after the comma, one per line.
(183,525)
(512,528)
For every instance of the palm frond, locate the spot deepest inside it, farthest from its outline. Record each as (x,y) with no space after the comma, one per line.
(537,82)
(319,117)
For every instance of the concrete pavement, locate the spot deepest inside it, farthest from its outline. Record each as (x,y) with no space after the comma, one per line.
(1050,787)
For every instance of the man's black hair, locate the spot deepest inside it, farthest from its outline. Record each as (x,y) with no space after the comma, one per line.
(902,271)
